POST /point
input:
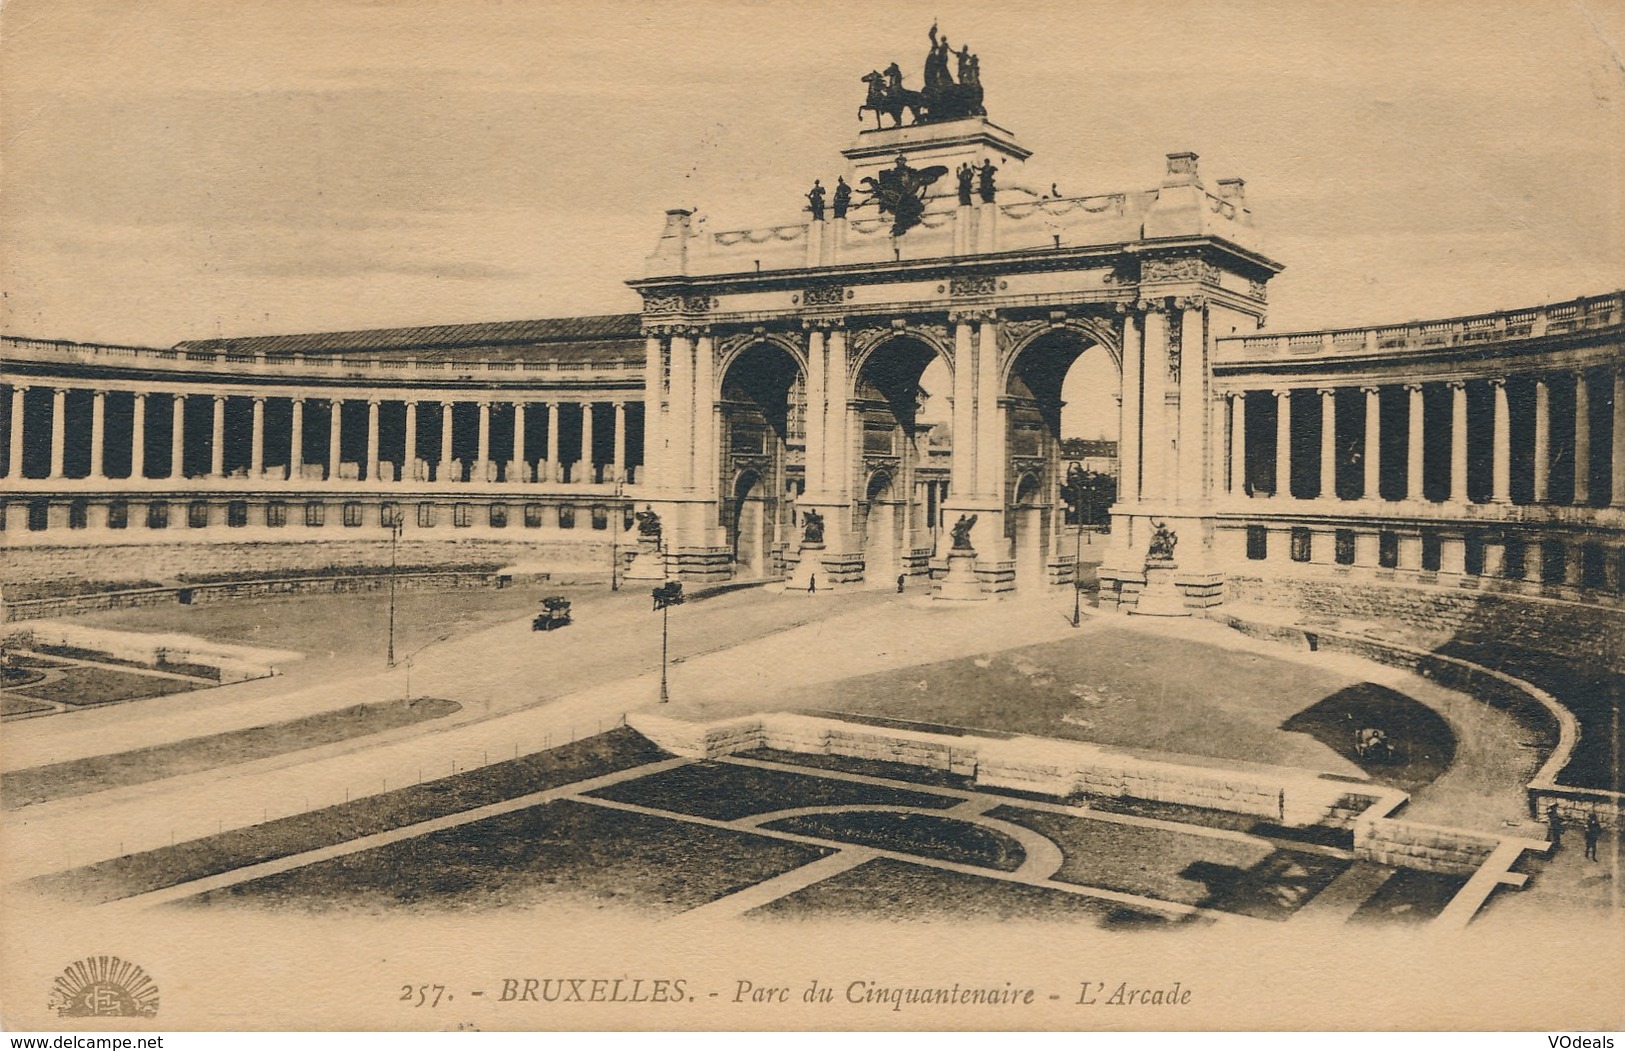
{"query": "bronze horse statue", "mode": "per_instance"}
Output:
(892, 100)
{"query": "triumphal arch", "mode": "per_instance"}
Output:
(785, 427)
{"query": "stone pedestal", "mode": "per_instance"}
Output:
(1161, 597)
(960, 583)
(649, 563)
(810, 566)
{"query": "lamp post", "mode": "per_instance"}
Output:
(615, 540)
(666, 596)
(1073, 493)
(394, 538)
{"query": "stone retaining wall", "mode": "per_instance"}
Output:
(173, 560)
(1042, 766)
(225, 591)
(1427, 848)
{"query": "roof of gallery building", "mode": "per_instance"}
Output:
(593, 338)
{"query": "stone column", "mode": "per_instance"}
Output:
(585, 474)
(817, 365)
(618, 467)
(519, 442)
(14, 464)
(1458, 442)
(683, 419)
(1238, 441)
(335, 433)
(369, 459)
(552, 442)
(1582, 439)
(1617, 461)
(1328, 443)
(962, 471)
(1283, 443)
(409, 444)
(989, 415)
(177, 436)
(482, 444)
(653, 471)
(59, 433)
(98, 431)
(443, 472)
(296, 438)
(705, 416)
(217, 438)
(256, 449)
(1129, 415)
(1414, 489)
(1501, 454)
(837, 464)
(138, 436)
(1371, 484)
(1154, 444)
(1543, 440)
(1192, 461)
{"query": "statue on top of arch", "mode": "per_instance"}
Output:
(943, 98)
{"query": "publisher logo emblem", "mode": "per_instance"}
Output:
(104, 987)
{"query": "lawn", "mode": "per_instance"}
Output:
(563, 853)
(1111, 685)
(84, 687)
(928, 835)
(1410, 897)
(920, 775)
(727, 791)
(167, 866)
(99, 773)
(10, 705)
(1252, 879)
(898, 890)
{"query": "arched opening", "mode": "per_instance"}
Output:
(1062, 421)
(903, 457)
(756, 411)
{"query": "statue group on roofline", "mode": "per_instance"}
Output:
(842, 201)
(943, 97)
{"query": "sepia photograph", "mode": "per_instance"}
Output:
(739, 515)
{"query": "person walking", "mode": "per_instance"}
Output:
(1593, 833)
(1554, 827)
(812, 584)
(901, 577)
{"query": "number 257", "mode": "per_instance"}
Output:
(425, 995)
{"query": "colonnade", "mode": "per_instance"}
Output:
(530, 462)
(1373, 467)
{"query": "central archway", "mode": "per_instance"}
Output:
(756, 409)
(899, 468)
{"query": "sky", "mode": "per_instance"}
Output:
(176, 169)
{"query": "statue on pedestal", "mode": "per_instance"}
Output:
(815, 201)
(648, 522)
(985, 181)
(961, 532)
(843, 197)
(967, 179)
(812, 528)
(1162, 543)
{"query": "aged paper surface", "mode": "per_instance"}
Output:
(953, 805)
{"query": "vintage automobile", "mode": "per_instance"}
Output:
(555, 614)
